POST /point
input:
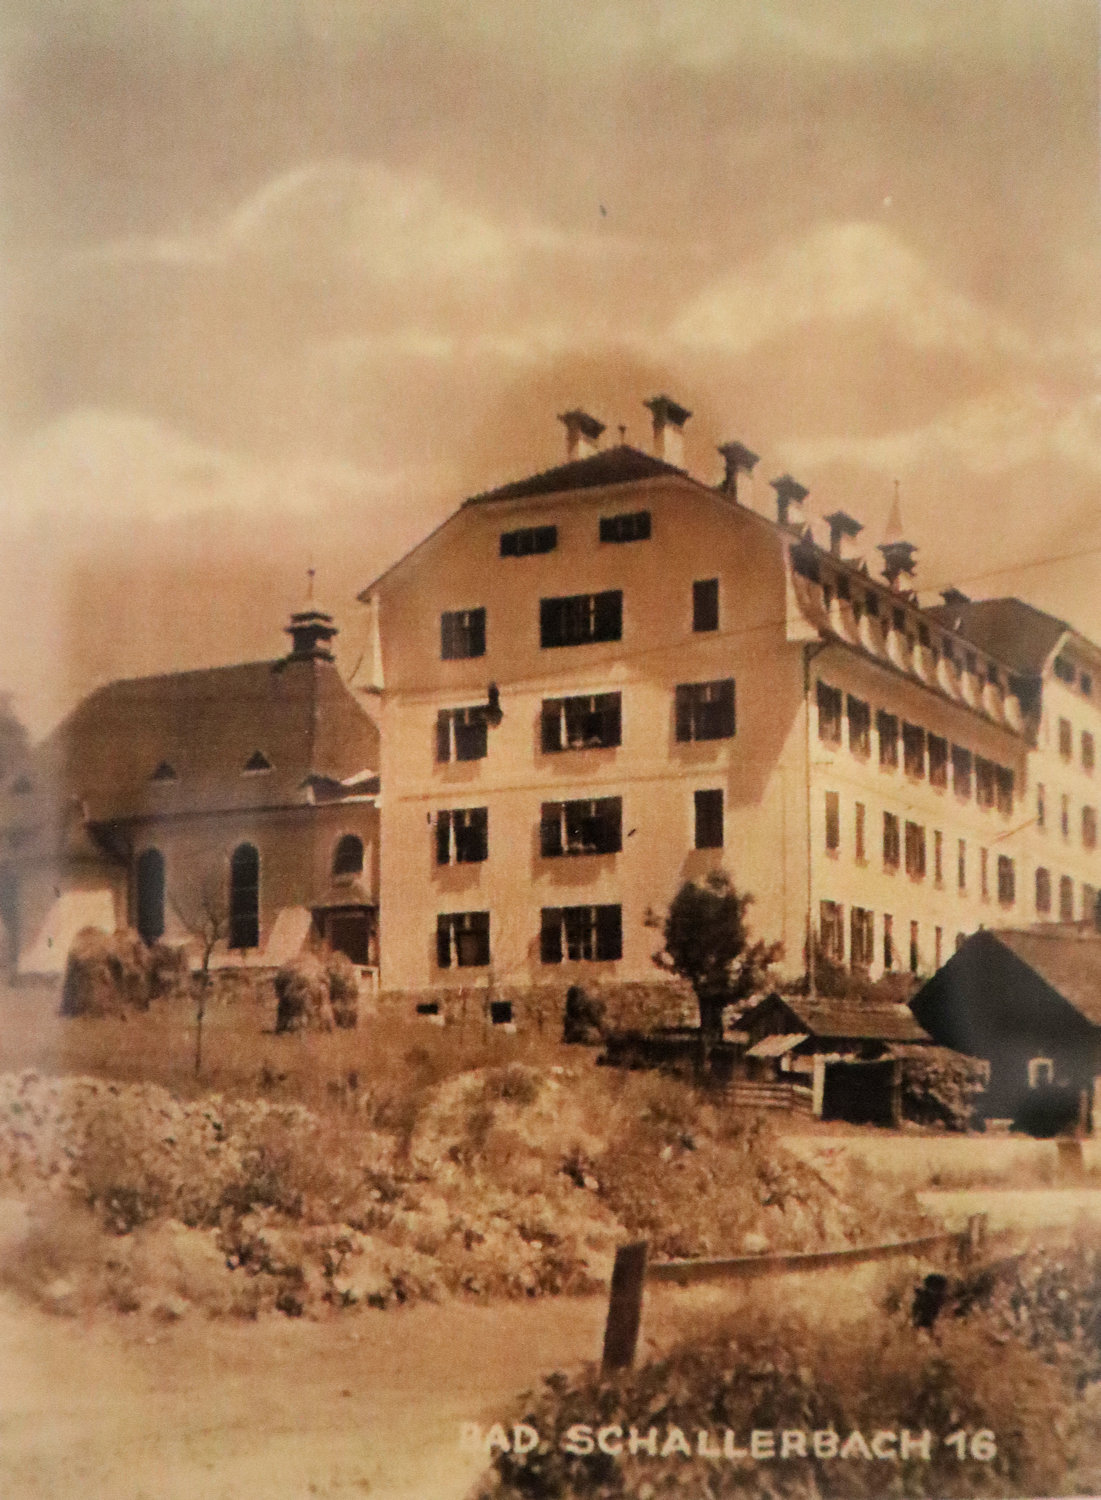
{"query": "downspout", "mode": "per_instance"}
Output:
(810, 651)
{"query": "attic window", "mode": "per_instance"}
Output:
(21, 786)
(256, 763)
(164, 772)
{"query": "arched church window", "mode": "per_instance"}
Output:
(244, 897)
(150, 895)
(348, 855)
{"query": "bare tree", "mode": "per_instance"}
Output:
(204, 912)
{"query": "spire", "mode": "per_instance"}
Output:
(311, 629)
(893, 532)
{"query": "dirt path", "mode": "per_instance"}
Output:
(127, 1409)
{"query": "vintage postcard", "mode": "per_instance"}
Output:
(550, 705)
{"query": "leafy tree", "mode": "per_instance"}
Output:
(708, 943)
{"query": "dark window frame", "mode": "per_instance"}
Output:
(581, 934)
(582, 721)
(709, 817)
(462, 734)
(580, 827)
(830, 703)
(705, 711)
(462, 835)
(529, 541)
(886, 726)
(462, 940)
(705, 604)
(580, 619)
(626, 526)
(462, 634)
(244, 897)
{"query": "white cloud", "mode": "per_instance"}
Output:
(111, 466)
(840, 273)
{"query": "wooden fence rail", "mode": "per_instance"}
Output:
(632, 1270)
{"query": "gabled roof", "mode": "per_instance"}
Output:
(1018, 634)
(1032, 982)
(209, 726)
(839, 1019)
(611, 466)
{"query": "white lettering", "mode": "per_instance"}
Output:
(984, 1445)
(762, 1443)
(610, 1439)
(730, 1446)
(826, 1443)
(578, 1439)
(706, 1446)
(649, 1442)
(525, 1439)
(912, 1443)
(854, 1446)
(793, 1443)
(497, 1437)
(675, 1442)
(883, 1443)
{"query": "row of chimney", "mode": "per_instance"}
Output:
(583, 434)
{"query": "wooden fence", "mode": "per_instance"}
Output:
(633, 1269)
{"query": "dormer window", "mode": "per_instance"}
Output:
(164, 772)
(256, 764)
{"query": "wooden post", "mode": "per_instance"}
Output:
(624, 1307)
(976, 1234)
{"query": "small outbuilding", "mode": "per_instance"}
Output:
(1029, 1003)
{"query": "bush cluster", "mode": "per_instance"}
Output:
(316, 993)
(111, 974)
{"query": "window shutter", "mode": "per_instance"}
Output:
(443, 838)
(608, 616)
(550, 830)
(609, 819)
(683, 708)
(550, 935)
(609, 932)
(726, 708)
(443, 942)
(479, 930)
(478, 837)
(551, 726)
(477, 641)
(443, 736)
(551, 613)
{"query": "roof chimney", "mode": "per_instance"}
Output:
(789, 492)
(582, 434)
(738, 460)
(898, 558)
(844, 529)
(669, 420)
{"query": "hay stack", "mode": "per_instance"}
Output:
(168, 970)
(343, 989)
(302, 990)
(106, 974)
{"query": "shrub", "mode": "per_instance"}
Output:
(343, 989)
(583, 1018)
(168, 969)
(940, 1087)
(106, 974)
(302, 991)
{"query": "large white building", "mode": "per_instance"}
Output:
(609, 677)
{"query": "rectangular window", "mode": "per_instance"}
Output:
(892, 850)
(581, 932)
(709, 819)
(461, 733)
(577, 619)
(1064, 815)
(961, 771)
(705, 604)
(915, 851)
(1089, 827)
(585, 827)
(961, 864)
(861, 938)
(984, 874)
(938, 856)
(829, 714)
(631, 526)
(1089, 753)
(528, 541)
(462, 835)
(462, 937)
(938, 939)
(1066, 899)
(887, 728)
(1043, 891)
(888, 941)
(984, 782)
(1066, 739)
(859, 841)
(913, 749)
(1089, 902)
(938, 761)
(705, 710)
(1064, 669)
(1085, 682)
(587, 722)
(860, 727)
(1007, 882)
(1003, 788)
(915, 951)
(1041, 807)
(833, 822)
(831, 919)
(462, 633)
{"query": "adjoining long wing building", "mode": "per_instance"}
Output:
(609, 677)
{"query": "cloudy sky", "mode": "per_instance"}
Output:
(284, 280)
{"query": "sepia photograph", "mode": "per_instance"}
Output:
(550, 708)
